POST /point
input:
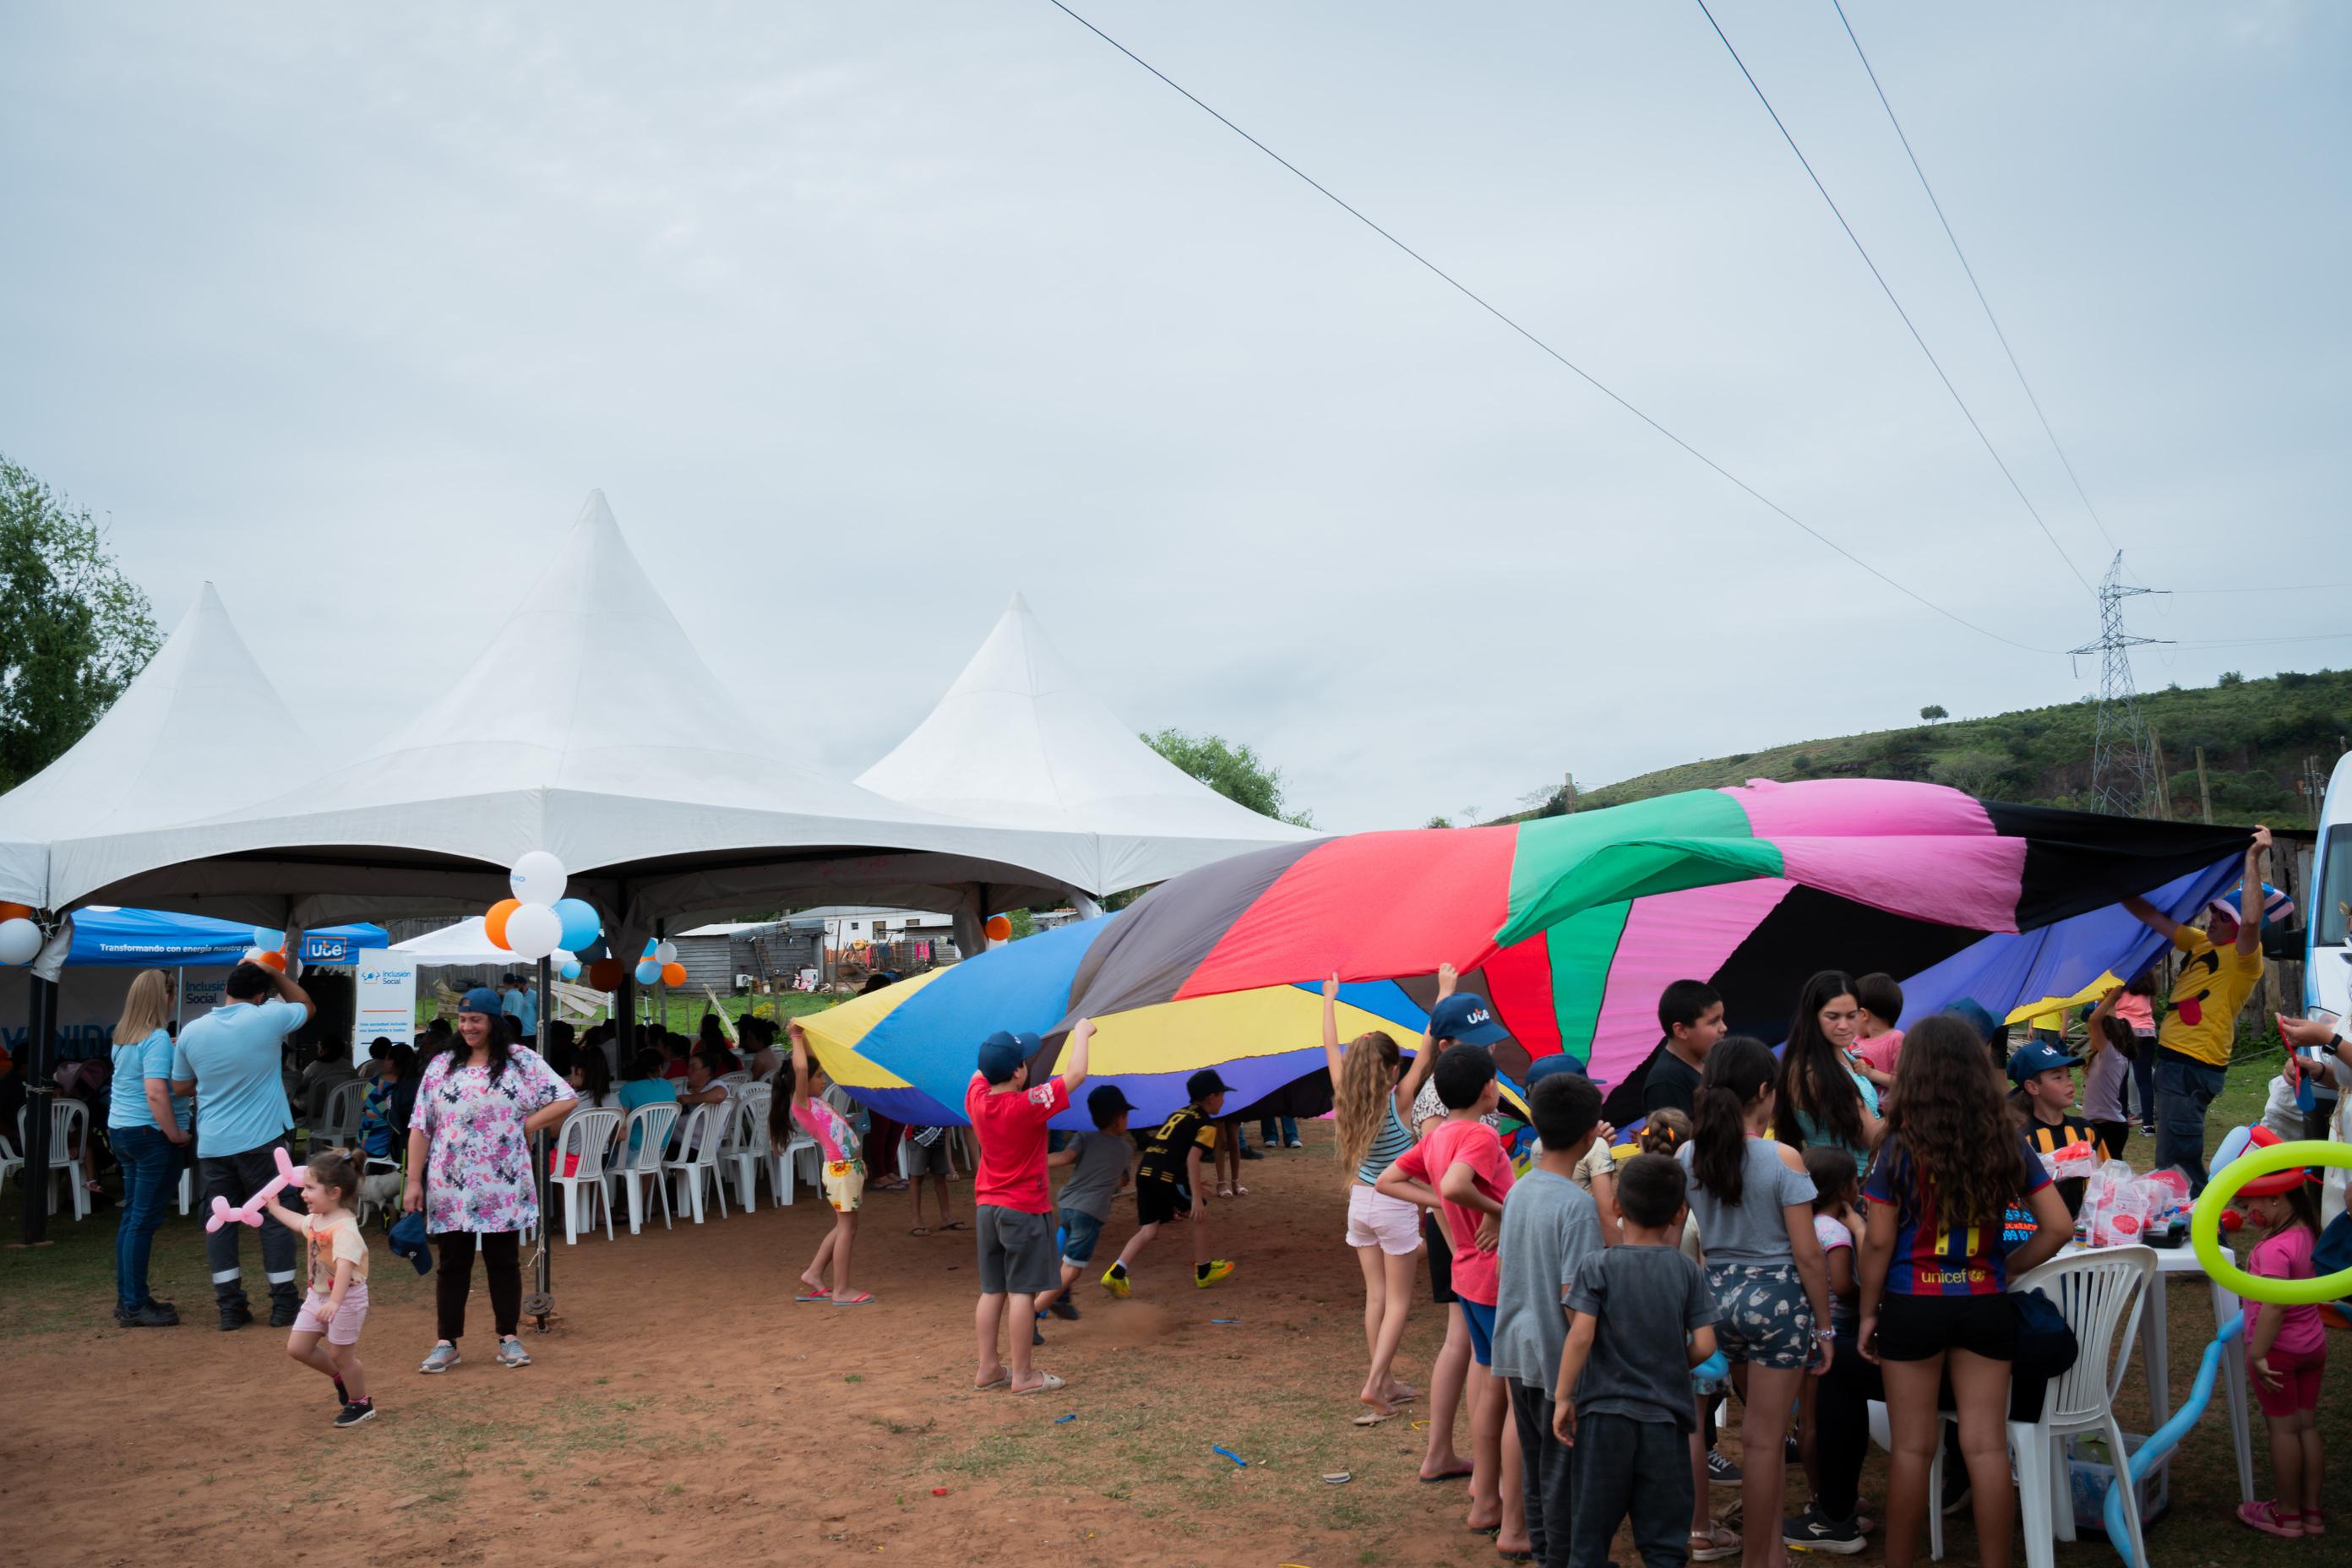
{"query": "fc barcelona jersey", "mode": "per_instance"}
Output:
(1932, 1258)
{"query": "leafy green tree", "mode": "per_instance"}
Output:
(73, 629)
(1933, 712)
(1237, 772)
(1022, 924)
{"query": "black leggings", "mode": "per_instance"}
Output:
(501, 1261)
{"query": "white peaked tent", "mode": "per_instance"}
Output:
(592, 729)
(199, 732)
(1018, 741)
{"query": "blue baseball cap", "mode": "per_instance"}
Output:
(1543, 1067)
(2035, 1057)
(1972, 1012)
(1204, 1083)
(409, 1241)
(1468, 1017)
(1002, 1054)
(483, 1000)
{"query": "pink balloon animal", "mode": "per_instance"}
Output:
(288, 1175)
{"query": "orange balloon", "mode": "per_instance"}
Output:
(605, 975)
(494, 924)
(276, 961)
(999, 929)
(15, 912)
(673, 974)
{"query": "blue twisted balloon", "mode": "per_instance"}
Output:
(2164, 1439)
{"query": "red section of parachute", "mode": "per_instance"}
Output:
(1521, 978)
(1373, 906)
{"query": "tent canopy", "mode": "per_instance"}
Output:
(466, 944)
(1018, 741)
(133, 938)
(179, 743)
(590, 728)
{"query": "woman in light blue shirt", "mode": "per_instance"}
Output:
(148, 1126)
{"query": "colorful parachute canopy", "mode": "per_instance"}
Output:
(1571, 925)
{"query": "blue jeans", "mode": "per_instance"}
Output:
(2183, 1089)
(1289, 1127)
(2143, 1072)
(151, 1161)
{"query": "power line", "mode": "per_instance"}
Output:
(1892, 120)
(2267, 642)
(1889, 291)
(1587, 376)
(2277, 588)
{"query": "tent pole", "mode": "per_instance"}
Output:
(544, 1265)
(40, 1088)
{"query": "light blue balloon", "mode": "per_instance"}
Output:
(580, 924)
(571, 970)
(268, 940)
(648, 973)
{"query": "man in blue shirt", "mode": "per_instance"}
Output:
(229, 1060)
(520, 1002)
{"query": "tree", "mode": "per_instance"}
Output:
(1933, 712)
(1439, 822)
(1237, 772)
(73, 629)
(1021, 922)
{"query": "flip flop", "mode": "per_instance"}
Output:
(1002, 1378)
(922, 1230)
(955, 1224)
(1373, 1418)
(818, 1295)
(863, 1299)
(1446, 1476)
(1051, 1383)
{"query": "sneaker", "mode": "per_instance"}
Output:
(356, 1411)
(151, 1315)
(1219, 1270)
(1721, 1471)
(1252, 1155)
(512, 1353)
(1034, 1337)
(235, 1315)
(1064, 1307)
(1116, 1281)
(1294, 1143)
(1955, 1487)
(1813, 1531)
(440, 1357)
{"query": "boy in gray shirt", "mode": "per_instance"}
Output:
(1101, 1164)
(1550, 1228)
(1623, 1400)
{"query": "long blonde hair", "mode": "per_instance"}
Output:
(1361, 1097)
(147, 1009)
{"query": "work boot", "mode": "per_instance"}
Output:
(149, 1315)
(285, 1306)
(233, 1313)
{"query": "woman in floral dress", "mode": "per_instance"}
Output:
(470, 1170)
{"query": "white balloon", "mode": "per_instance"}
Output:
(664, 952)
(20, 941)
(533, 930)
(537, 878)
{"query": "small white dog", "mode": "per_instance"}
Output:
(378, 1192)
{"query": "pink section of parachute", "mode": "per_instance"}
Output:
(1920, 850)
(1668, 937)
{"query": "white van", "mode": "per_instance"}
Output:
(2327, 925)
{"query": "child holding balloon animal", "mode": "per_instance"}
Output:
(2286, 1353)
(337, 1303)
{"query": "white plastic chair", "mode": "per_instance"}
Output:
(746, 1141)
(11, 1163)
(798, 1161)
(651, 1125)
(736, 1082)
(698, 1157)
(585, 1136)
(187, 1188)
(67, 1115)
(338, 1126)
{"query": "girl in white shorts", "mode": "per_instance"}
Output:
(337, 1302)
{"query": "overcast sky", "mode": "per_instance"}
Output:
(866, 316)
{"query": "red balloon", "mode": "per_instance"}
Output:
(606, 973)
(673, 974)
(494, 924)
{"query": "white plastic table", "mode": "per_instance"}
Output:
(2155, 1344)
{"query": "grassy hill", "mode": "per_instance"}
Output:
(2256, 735)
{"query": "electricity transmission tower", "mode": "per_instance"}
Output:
(2123, 764)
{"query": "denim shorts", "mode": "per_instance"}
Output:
(1763, 1318)
(1079, 1234)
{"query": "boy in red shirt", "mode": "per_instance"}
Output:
(1015, 1203)
(1459, 1168)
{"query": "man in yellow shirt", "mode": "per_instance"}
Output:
(2219, 967)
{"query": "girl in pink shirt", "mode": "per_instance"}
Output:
(845, 1174)
(2286, 1352)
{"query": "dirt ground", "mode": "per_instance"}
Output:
(683, 1409)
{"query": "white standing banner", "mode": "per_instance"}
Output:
(385, 1007)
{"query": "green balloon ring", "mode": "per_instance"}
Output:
(2205, 1226)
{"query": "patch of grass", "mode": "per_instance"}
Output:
(996, 1454)
(859, 1377)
